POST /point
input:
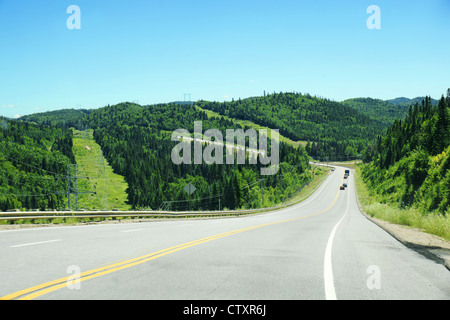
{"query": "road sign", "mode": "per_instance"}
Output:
(190, 189)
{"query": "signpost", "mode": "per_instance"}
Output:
(189, 189)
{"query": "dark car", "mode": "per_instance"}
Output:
(342, 188)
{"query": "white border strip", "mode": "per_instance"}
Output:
(330, 290)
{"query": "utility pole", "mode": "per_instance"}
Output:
(262, 193)
(280, 176)
(187, 95)
(102, 174)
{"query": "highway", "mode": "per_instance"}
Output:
(320, 249)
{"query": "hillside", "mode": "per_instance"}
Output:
(378, 109)
(136, 144)
(136, 141)
(65, 118)
(334, 130)
(33, 165)
(410, 165)
(405, 102)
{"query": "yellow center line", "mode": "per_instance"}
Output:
(42, 289)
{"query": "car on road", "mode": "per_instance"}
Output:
(345, 185)
(342, 188)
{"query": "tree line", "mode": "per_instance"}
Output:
(410, 164)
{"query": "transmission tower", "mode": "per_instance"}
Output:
(72, 185)
(102, 174)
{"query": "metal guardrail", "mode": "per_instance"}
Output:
(31, 215)
(115, 214)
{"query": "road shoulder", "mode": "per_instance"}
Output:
(429, 245)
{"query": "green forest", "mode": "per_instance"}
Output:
(410, 165)
(136, 141)
(333, 130)
(405, 149)
(33, 165)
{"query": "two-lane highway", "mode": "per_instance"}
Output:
(322, 248)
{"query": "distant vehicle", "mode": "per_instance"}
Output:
(345, 177)
(345, 185)
(347, 172)
(342, 188)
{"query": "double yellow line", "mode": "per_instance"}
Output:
(42, 289)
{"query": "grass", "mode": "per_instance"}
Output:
(320, 174)
(431, 223)
(110, 188)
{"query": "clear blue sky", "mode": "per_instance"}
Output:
(155, 51)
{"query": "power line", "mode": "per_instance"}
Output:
(31, 166)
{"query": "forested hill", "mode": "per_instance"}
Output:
(406, 102)
(379, 109)
(136, 140)
(33, 165)
(66, 118)
(410, 165)
(334, 130)
(386, 111)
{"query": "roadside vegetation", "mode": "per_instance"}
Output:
(377, 207)
(320, 174)
(406, 175)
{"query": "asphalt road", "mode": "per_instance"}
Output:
(322, 248)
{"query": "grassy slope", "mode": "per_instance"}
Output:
(250, 124)
(434, 224)
(110, 187)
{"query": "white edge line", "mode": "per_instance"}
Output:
(135, 230)
(35, 243)
(330, 290)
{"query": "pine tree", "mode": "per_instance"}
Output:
(441, 136)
